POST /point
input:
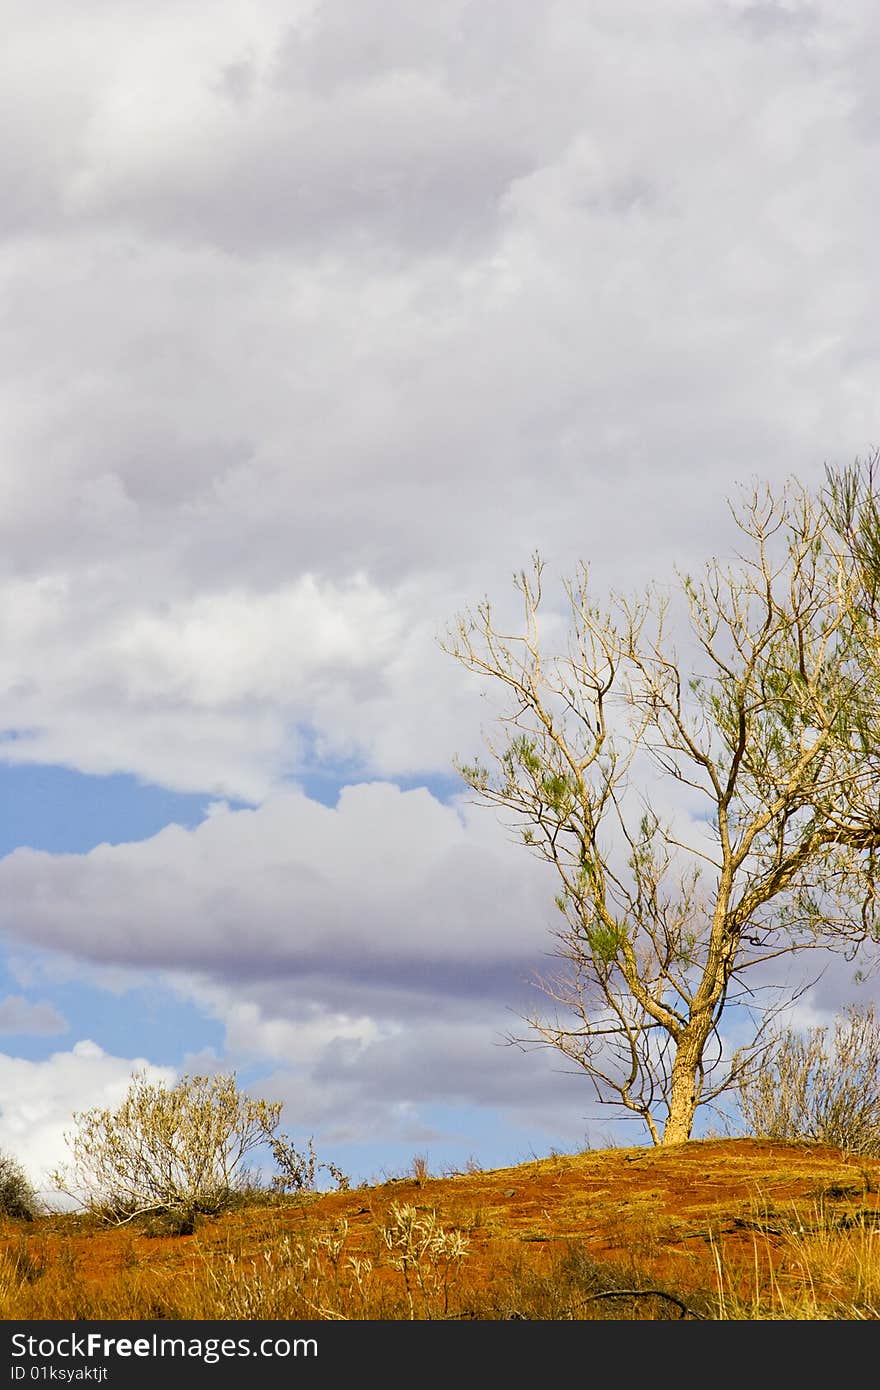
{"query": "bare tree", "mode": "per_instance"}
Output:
(767, 742)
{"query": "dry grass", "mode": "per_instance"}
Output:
(717, 1230)
(806, 1265)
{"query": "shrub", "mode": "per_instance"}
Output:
(176, 1151)
(808, 1087)
(298, 1169)
(17, 1197)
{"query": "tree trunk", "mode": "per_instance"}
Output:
(683, 1095)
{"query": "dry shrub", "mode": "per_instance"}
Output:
(298, 1168)
(826, 1091)
(167, 1150)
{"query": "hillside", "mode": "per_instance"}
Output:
(717, 1228)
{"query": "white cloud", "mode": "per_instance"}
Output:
(39, 1099)
(225, 691)
(290, 1040)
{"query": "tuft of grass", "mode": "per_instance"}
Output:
(816, 1088)
(822, 1266)
(573, 1286)
(420, 1169)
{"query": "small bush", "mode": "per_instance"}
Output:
(17, 1197)
(808, 1087)
(173, 1151)
(298, 1169)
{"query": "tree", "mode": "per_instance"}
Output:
(175, 1150)
(765, 741)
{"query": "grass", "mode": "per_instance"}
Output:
(317, 1278)
(824, 1269)
(710, 1231)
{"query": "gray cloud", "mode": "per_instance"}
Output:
(767, 19)
(387, 888)
(375, 957)
(316, 320)
(19, 1015)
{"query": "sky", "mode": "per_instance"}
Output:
(317, 319)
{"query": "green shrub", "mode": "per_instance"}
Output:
(17, 1197)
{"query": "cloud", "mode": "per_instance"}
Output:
(388, 885)
(359, 129)
(387, 1080)
(39, 1097)
(372, 956)
(226, 692)
(317, 320)
(19, 1015)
